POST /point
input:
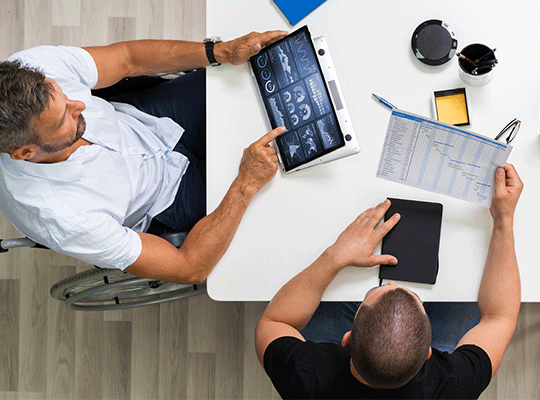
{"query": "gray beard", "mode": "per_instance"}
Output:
(81, 127)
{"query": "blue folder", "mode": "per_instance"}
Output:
(295, 10)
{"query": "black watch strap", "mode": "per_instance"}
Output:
(209, 47)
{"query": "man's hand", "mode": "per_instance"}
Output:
(258, 165)
(508, 187)
(355, 245)
(239, 50)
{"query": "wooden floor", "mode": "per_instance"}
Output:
(193, 348)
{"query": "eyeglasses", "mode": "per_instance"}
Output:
(512, 129)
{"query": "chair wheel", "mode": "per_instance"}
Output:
(114, 289)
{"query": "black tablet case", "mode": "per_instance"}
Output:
(414, 241)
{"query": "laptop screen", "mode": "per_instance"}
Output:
(296, 96)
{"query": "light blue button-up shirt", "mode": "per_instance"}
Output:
(91, 205)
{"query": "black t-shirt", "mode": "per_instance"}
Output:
(302, 370)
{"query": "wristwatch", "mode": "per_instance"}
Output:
(209, 47)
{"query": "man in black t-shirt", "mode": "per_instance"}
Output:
(387, 352)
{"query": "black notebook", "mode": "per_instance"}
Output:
(414, 241)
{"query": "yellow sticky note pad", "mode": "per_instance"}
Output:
(451, 107)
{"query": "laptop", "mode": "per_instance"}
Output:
(300, 90)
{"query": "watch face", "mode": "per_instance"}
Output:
(213, 39)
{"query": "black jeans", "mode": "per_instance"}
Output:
(184, 101)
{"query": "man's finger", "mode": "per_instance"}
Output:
(267, 138)
(378, 212)
(269, 37)
(269, 150)
(387, 226)
(500, 180)
(360, 220)
(265, 39)
(383, 259)
(512, 177)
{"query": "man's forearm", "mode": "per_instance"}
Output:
(202, 248)
(210, 237)
(293, 306)
(500, 289)
(145, 57)
(150, 57)
(295, 303)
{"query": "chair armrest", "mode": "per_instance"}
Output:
(174, 238)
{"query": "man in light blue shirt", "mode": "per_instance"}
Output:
(86, 177)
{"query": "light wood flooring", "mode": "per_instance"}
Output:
(194, 348)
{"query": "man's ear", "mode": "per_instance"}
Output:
(346, 339)
(25, 152)
(430, 352)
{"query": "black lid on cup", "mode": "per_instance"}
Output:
(434, 42)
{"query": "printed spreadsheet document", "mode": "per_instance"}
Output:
(441, 158)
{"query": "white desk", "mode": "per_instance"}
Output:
(295, 217)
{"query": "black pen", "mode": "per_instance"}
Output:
(462, 57)
(485, 55)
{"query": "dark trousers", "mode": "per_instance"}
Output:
(184, 101)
